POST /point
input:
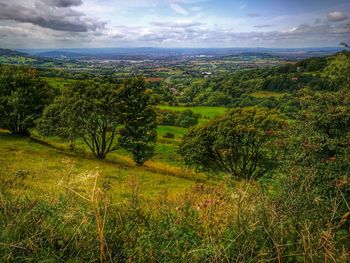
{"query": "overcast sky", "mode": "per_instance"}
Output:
(173, 23)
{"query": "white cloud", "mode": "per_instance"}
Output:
(337, 16)
(178, 8)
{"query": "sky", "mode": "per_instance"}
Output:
(173, 23)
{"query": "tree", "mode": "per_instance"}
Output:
(139, 133)
(187, 119)
(237, 143)
(53, 123)
(23, 96)
(86, 110)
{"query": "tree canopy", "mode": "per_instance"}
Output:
(86, 110)
(23, 96)
(139, 118)
(237, 143)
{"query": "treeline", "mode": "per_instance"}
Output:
(104, 116)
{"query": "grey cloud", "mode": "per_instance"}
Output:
(303, 35)
(177, 24)
(263, 26)
(337, 16)
(43, 15)
(63, 3)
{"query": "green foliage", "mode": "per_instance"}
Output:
(86, 110)
(238, 143)
(22, 98)
(139, 133)
(314, 171)
(187, 119)
(167, 117)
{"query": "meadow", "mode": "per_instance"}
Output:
(58, 206)
(207, 112)
(43, 165)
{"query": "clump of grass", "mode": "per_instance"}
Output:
(208, 223)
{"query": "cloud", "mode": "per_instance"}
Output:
(181, 33)
(263, 26)
(337, 16)
(63, 3)
(171, 34)
(46, 16)
(178, 8)
(177, 24)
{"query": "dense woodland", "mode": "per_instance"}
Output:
(269, 178)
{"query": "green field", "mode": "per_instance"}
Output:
(45, 168)
(205, 111)
(58, 82)
(177, 131)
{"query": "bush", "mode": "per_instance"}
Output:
(187, 119)
(183, 119)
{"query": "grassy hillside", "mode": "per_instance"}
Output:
(337, 65)
(44, 168)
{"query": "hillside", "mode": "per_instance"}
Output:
(338, 65)
(47, 164)
(9, 52)
(270, 86)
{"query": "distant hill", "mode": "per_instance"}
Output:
(160, 53)
(10, 52)
(60, 54)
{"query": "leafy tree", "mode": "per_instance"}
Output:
(187, 118)
(238, 143)
(218, 99)
(139, 133)
(23, 96)
(53, 123)
(86, 110)
(167, 117)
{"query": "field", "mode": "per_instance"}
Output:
(46, 166)
(45, 163)
(58, 82)
(205, 111)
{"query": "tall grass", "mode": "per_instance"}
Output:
(208, 223)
